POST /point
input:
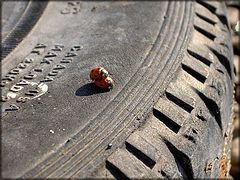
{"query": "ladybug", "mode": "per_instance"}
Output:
(105, 83)
(98, 73)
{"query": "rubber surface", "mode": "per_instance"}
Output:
(168, 115)
(19, 18)
(11, 12)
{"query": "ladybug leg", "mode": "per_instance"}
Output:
(110, 86)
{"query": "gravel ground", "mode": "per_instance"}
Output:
(233, 14)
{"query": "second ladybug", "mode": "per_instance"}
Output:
(105, 83)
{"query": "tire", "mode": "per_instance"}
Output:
(169, 114)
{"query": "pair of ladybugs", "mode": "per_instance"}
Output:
(101, 78)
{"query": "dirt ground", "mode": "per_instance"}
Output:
(233, 14)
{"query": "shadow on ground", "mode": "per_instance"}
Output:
(89, 89)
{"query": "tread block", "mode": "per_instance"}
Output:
(194, 73)
(198, 70)
(127, 165)
(210, 21)
(115, 171)
(190, 80)
(170, 114)
(182, 160)
(140, 155)
(205, 14)
(207, 5)
(202, 53)
(172, 125)
(223, 60)
(199, 57)
(151, 134)
(181, 90)
(213, 108)
(224, 20)
(205, 32)
(202, 22)
(149, 150)
(165, 165)
(199, 39)
(180, 102)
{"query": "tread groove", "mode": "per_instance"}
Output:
(205, 33)
(194, 73)
(179, 102)
(212, 107)
(117, 173)
(182, 160)
(167, 121)
(223, 60)
(223, 20)
(198, 57)
(206, 19)
(140, 155)
(201, 118)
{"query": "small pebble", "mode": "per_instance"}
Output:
(109, 146)
(51, 131)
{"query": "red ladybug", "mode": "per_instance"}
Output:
(105, 83)
(98, 73)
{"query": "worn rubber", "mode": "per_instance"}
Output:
(189, 130)
(170, 117)
(19, 22)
